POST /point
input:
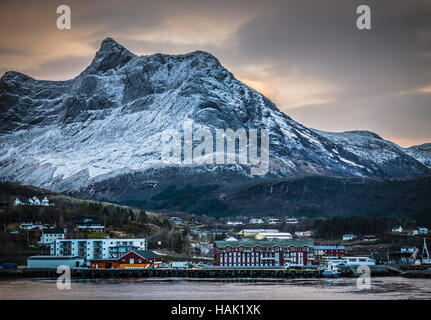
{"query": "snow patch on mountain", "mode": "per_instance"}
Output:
(421, 153)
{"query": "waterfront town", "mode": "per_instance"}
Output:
(92, 238)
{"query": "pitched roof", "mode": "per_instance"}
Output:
(54, 231)
(261, 243)
(147, 254)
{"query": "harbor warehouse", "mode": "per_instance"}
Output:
(262, 253)
(132, 259)
(52, 262)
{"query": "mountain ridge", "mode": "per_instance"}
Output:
(107, 122)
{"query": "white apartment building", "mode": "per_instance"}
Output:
(94, 248)
(51, 235)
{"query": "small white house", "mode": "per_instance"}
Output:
(18, 202)
(45, 202)
(34, 201)
(32, 226)
(420, 231)
(303, 234)
(231, 239)
(89, 225)
(423, 230)
(349, 237)
(26, 225)
(273, 221)
(256, 221)
(370, 237)
(176, 220)
(397, 229)
(234, 223)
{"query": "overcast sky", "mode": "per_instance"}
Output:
(307, 56)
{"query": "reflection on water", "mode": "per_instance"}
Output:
(197, 289)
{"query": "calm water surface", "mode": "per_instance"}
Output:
(198, 289)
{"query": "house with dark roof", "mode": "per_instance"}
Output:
(51, 235)
(89, 224)
(135, 259)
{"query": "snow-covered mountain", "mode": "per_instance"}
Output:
(107, 123)
(422, 153)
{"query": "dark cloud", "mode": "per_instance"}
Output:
(321, 38)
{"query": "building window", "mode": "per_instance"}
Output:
(132, 261)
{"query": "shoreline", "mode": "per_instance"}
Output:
(203, 273)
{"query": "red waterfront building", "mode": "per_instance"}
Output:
(132, 259)
(262, 253)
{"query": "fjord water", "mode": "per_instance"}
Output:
(216, 289)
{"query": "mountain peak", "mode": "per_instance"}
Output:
(110, 55)
(109, 44)
(113, 118)
(204, 54)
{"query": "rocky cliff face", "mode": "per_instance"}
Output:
(105, 127)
